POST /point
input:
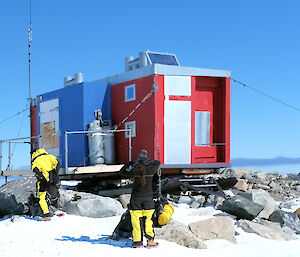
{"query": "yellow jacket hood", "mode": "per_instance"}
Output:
(38, 152)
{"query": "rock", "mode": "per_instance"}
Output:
(195, 205)
(14, 196)
(294, 183)
(272, 184)
(219, 201)
(185, 199)
(176, 232)
(263, 198)
(241, 185)
(241, 207)
(262, 186)
(262, 176)
(124, 200)
(287, 219)
(298, 212)
(289, 231)
(229, 193)
(250, 179)
(247, 177)
(242, 172)
(200, 199)
(238, 173)
(210, 199)
(89, 205)
(284, 176)
(214, 228)
(264, 231)
(250, 186)
(297, 188)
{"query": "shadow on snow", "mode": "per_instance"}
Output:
(105, 239)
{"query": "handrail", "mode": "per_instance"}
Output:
(107, 132)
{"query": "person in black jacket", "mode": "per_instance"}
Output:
(141, 203)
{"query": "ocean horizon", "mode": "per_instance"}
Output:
(280, 168)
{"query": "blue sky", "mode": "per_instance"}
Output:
(258, 41)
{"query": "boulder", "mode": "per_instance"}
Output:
(200, 198)
(214, 228)
(241, 207)
(88, 205)
(185, 199)
(176, 232)
(263, 198)
(124, 200)
(272, 184)
(241, 185)
(195, 205)
(14, 196)
(287, 219)
(275, 233)
(276, 226)
(284, 176)
(298, 212)
(261, 176)
(238, 173)
(262, 186)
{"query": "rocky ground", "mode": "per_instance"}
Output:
(259, 203)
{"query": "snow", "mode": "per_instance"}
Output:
(70, 236)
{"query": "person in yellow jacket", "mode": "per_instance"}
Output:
(45, 167)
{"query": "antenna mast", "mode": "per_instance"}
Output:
(29, 45)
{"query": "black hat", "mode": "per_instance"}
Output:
(143, 155)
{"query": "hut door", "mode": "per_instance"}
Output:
(203, 149)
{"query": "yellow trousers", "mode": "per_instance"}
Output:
(42, 200)
(137, 224)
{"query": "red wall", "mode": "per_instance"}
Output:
(144, 117)
(208, 94)
(213, 95)
(33, 127)
(159, 119)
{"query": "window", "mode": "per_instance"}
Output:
(130, 93)
(130, 125)
(202, 128)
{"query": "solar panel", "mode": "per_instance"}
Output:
(168, 59)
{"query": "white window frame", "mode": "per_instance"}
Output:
(130, 124)
(127, 99)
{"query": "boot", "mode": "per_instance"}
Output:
(45, 218)
(137, 245)
(151, 244)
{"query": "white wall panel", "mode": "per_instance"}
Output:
(177, 85)
(177, 133)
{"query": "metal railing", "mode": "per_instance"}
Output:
(10, 142)
(101, 133)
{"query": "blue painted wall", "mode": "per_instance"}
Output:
(77, 104)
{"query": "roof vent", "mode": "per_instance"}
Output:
(69, 81)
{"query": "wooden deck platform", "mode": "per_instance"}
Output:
(17, 173)
(73, 172)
